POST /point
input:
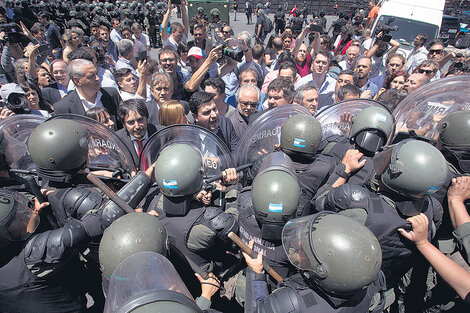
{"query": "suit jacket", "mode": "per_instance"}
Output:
(126, 139)
(72, 104)
(51, 93)
(227, 133)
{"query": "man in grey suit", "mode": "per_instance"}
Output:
(88, 93)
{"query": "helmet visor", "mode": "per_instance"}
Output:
(295, 240)
(24, 223)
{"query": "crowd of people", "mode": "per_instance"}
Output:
(337, 223)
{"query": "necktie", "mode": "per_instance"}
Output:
(139, 151)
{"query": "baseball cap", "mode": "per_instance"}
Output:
(10, 88)
(196, 52)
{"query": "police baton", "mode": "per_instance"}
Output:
(253, 255)
(111, 194)
(220, 176)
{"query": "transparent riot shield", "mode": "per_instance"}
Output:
(265, 133)
(422, 110)
(337, 119)
(16, 130)
(215, 154)
(148, 279)
(105, 150)
(20, 126)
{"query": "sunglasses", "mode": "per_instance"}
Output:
(435, 51)
(225, 32)
(248, 103)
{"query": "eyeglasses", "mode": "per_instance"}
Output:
(167, 60)
(248, 103)
(435, 51)
(323, 43)
(225, 32)
(426, 72)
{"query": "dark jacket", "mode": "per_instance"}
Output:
(126, 139)
(72, 104)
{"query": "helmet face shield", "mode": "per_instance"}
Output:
(295, 240)
(382, 160)
(18, 222)
(369, 141)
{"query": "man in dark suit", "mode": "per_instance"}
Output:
(133, 115)
(88, 93)
(205, 114)
(56, 91)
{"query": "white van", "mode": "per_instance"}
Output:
(412, 17)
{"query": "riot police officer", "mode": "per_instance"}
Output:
(406, 174)
(265, 207)
(339, 261)
(195, 226)
(370, 131)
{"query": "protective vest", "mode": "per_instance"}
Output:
(273, 252)
(22, 291)
(337, 147)
(179, 232)
(315, 300)
(311, 179)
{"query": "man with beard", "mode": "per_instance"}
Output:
(395, 63)
(362, 70)
(324, 82)
(248, 96)
(378, 54)
(414, 81)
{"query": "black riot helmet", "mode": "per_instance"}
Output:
(337, 253)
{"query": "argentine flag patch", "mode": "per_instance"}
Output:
(170, 183)
(300, 143)
(275, 207)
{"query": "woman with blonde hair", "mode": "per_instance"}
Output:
(171, 112)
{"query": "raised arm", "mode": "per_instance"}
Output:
(166, 19)
(185, 18)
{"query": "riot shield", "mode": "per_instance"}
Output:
(337, 119)
(148, 278)
(16, 130)
(422, 110)
(105, 150)
(265, 133)
(20, 126)
(215, 154)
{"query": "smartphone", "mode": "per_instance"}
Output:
(177, 2)
(142, 55)
(315, 28)
(43, 48)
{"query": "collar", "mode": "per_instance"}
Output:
(146, 136)
(87, 104)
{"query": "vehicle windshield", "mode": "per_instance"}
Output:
(408, 29)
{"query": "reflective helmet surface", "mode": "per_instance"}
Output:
(340, 255)
(130, 234)
(179, 170)
(411, 168)
(371, 129)
(454, 129)
(59, 145)
(301, 133)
